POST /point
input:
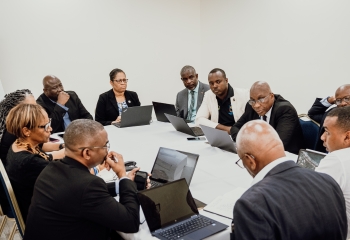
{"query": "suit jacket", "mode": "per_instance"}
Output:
(208, 113)
(291, 203)
(318, 112)
(70, 203)
(107, 107)
(181, 104)
(284, 119)
(76, 110)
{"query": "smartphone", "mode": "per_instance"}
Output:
(141, 180)
(196, 138)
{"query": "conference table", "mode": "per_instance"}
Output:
(216, 172)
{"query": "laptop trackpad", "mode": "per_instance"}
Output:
(206, 231)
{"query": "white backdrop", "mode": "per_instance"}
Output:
(300, 47)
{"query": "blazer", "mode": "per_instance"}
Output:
(284, 119)
(76, 110)
(70, 203)
(107, 107)
(181, 103)
(208, 113)
(291, 203)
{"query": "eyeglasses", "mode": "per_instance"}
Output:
(46, 126)
(121, 81)
(191, 78)
(240, 164)
(260, 100)
(346, 99)
(107, 146)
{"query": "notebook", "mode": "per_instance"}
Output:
(171, 165)
(171, 213)
(219, 138)
(161, 108)
(181, 126)
(309, 158)
(135, 116)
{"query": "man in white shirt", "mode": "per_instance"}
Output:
(285, 201)
(336, 139)
(223, 105)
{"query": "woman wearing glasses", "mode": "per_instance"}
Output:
(25, 159)
(110, 104)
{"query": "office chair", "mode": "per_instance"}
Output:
(310, 130)
(5, 181)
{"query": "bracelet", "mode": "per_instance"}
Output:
(61, 146)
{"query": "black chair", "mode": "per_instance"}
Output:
(310, 131)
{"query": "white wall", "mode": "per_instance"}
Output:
(81, 41)
(302, 48)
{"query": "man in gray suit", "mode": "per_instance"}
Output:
(190, 99)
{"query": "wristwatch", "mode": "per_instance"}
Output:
(61, 146)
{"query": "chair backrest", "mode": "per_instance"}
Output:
(310, 132)
(5, 181)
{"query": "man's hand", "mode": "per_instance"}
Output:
(132, 173)
(63, 98)
(116, 162)
(224, 128)
(331, 99)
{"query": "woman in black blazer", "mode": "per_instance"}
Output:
(111, 103)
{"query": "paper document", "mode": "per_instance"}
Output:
(223, 205)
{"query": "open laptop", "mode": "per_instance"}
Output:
(171, 213)
(219, 138)
(161, 108)
(309, 158)
(135, 116)
(181, 126)
(171, 165)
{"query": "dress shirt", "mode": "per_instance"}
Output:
(260, 176)
(66, 119)
(195, 95)
(268, 115)
(325, 102)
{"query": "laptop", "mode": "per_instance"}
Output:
(171, 165)
(161, 108)
(135, 116)
(171, 213)
(181, 126)
(219, 138)
(309, 158)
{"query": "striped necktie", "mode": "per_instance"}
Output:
(190, 110)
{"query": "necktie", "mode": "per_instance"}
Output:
(264, 118)
(190, 110)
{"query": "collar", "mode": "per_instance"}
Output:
(267, 169)
(195, 89)
(268, 115)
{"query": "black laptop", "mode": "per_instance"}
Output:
(181, 126)
(161, 108)
(309, 158)
(171, 165)
(135, 116)
(171, 213)
(219, 138)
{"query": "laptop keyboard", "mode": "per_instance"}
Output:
(155, 184)
(197, 131)
(186, 228)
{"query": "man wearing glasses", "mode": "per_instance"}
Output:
(190, 99)
(276, 111)
(284, 201)
(322, 107)
(61, 106)
(223, 105)
(70, 203)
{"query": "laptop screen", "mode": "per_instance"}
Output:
(172, 165)
(168, 204)
(309, 158)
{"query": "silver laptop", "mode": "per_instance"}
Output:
(135, 116)
(181, 126)
(219, 138)
(171, 213)
(171, 165)
(309, 158)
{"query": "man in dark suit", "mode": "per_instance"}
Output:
(70, 203)
(285, 201)
(61, 106)
(321, 108)
(276, 111)
(190, 99)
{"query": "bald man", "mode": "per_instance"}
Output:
(70, 203)
(276, 111)
(322, 107)
(285, 201)
(61, 106)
